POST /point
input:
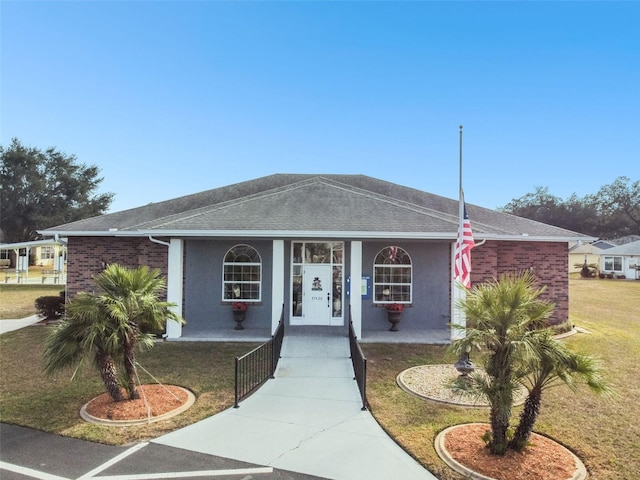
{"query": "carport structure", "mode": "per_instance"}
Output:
(50, 254)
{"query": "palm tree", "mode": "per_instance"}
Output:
(502, 316)
(555, 365)
(85, 333)
(131, 299)
(111, 324)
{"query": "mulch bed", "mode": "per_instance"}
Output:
(545, 459)
(160, 399)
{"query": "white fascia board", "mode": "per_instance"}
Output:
(450, 236)
(532, 238)
(33, 243)
(255, 234)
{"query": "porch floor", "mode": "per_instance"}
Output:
(258, 335)
(426, 337)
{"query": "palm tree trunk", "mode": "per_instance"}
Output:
(130, 366)
(501, 401)
(528, 419)
(499, 425)
(109, 376)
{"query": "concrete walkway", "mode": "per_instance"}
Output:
(11, 325)
(308, 420)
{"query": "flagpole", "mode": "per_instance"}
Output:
(460, 189)
(460, 203)
(458, 292)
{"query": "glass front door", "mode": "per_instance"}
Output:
(316, 283)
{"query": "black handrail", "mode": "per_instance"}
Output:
(359, 362)
(277, 339)
(256, 367)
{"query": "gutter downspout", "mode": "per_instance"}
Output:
(159, 242)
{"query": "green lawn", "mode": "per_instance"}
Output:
(52, 404)
(17, 301)
(604, 432)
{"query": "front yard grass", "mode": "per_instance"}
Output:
(603, 431)
(52, 404)
(17, 301)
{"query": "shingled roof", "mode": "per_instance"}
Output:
(299, 205)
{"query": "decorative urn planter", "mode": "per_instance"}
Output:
(394, 312)
(464, 365)
(239, 310)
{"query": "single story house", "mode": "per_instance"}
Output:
(622, 261)
(587, 253)
(315, 250)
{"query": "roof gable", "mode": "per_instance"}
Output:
(288, 203)
(317, 204)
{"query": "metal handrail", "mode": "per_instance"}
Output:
(256, 367)
(359, 362)
(278, 338)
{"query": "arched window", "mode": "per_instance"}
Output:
(242, 274)
(392, 276)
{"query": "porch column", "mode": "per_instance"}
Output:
(277, 283)
(458, 293)
(355, 292)
(174, 284)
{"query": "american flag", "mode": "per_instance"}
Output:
(464, 244)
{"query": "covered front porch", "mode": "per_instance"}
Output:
(283, 271)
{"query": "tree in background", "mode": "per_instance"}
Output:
(617, 207)
(41, 189)
(614, 211)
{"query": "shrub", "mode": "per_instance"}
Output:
(50, 307)
(563, 327)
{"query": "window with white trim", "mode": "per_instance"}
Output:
(47, 252)
(613, 264)
(392, 276)
(242, 274)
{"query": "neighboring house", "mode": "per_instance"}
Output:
(624, 240)
(315, 250)
(622, 261)
(588, 253)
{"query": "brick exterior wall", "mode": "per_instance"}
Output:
(87, 256)
(548, 261)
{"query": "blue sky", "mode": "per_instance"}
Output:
(171, 98)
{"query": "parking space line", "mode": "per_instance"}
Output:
(113, 461)
(29, 472)
(203, 473)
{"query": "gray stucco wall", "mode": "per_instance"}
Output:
(205, 310)
(431, 287)
(203, 305)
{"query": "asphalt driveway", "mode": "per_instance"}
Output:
(26, 454)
